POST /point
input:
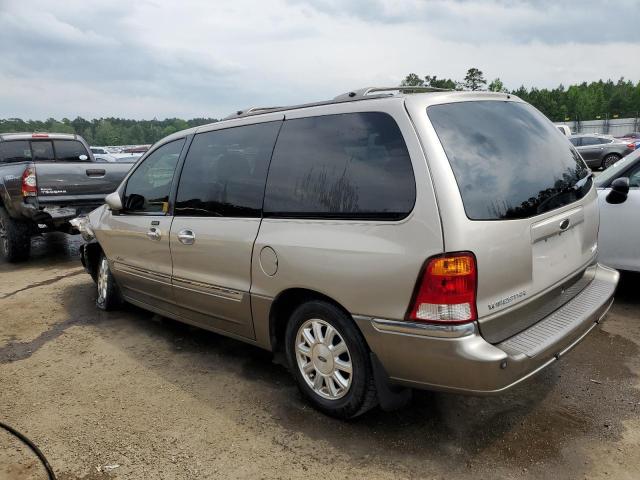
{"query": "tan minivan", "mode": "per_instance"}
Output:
(383, 241)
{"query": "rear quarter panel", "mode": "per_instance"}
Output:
(11, 187)
(369, 267)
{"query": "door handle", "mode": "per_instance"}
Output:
(186, 237)
(96, 172)
(154, 233)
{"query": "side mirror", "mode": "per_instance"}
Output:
(619, 191)
(83, 158)
(114, 202)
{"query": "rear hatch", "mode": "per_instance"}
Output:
(526, 208)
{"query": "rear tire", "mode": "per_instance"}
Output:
(609, 160)
(108, 297)
(330, 360)
(15, 239)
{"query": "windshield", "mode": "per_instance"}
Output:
(508, 159)
(614, 170)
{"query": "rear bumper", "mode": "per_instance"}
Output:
(460, 359)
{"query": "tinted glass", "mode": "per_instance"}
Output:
(508, 159)
(69, 151)
(353, 165)
(42, 150)
(15, 151)
(225, 171)
(575, 141)
(618, 169)
(149, 186)
(587, 141)
(634, 176)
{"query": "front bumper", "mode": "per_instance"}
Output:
(458, 358)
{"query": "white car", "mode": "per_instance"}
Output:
(102, 154)
(619, 200)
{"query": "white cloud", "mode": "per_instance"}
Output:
(198, 58)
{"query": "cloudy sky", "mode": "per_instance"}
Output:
(194, 58)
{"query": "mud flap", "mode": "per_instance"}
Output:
(390, 397)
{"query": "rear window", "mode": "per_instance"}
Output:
(346, 166)
(70, 151)
(15, 151)
(508, 159)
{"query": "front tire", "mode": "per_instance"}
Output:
(108, 297)
(330, 360)
(15, 240)
(609, 160)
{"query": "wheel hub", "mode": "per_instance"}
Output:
(322, 359)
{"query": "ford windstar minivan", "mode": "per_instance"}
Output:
(388, 239)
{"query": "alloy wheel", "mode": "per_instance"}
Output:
(103, 280)
(323, 359)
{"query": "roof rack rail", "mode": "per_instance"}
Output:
(250, 110)
(363, 92)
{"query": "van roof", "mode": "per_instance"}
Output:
(367, 93)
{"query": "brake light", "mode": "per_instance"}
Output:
(29, 182)
(632, 146)
(446, 291)
(40, 135)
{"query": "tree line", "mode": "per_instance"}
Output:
(106, 131)
(585, 101)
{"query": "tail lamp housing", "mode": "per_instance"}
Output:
(29, 182)
(446, 290)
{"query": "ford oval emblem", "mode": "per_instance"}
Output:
(564, 224)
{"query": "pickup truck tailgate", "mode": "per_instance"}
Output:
(77, 181)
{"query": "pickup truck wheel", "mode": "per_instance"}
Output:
(330, 360)
(108, 297)
(15, 240)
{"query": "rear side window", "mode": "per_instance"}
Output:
(15, 151)
(346, 166)
(225, 171)
(508, 160)
(42, 151)
(587, 141)
(70, 151)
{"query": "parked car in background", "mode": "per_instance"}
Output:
(101, 154)
(601, 151)
(139, 149)
(46, 179)
(619, 236)
(370, 239)
(127, 157)
(631, 137)
(564, 129)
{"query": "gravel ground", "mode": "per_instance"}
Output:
(129, 395)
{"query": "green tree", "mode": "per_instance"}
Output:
(474, 79)
(412, 80)
(497, 86)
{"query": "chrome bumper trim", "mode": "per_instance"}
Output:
(420, 329)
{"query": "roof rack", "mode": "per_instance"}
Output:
(368, 91)
(361, 94)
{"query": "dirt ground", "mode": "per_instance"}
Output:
(128, 395)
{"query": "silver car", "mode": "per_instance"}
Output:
(382, 241)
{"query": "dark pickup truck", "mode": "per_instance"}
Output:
(46, 179)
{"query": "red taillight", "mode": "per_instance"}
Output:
(632, 146)
(29, 182)
(446, 291)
